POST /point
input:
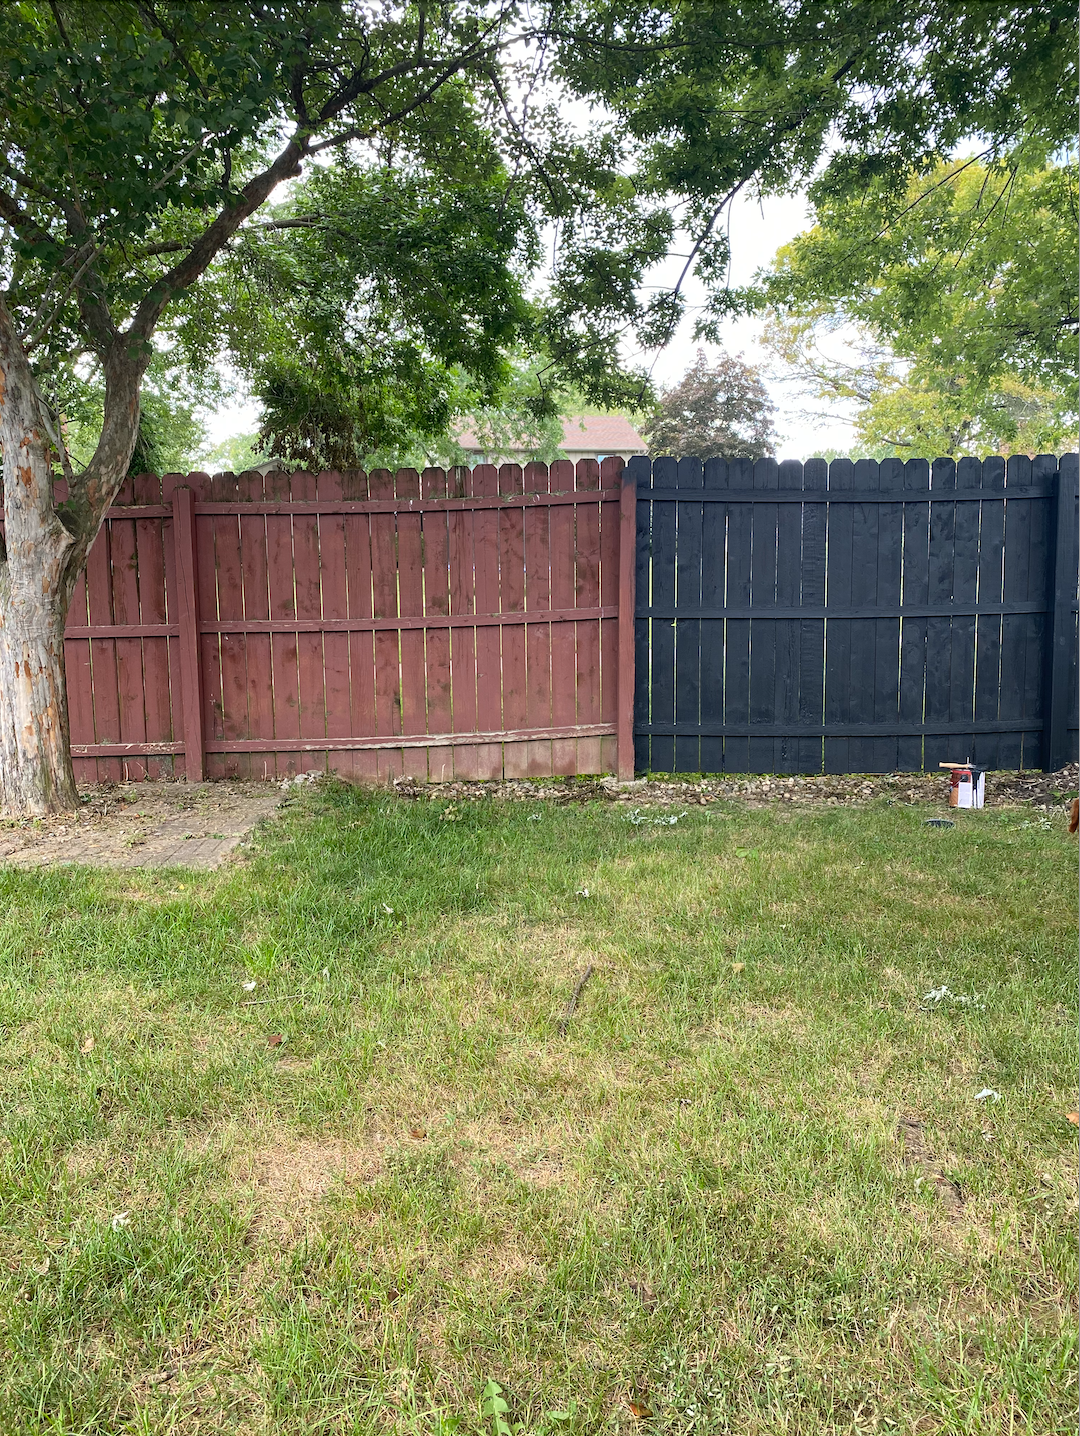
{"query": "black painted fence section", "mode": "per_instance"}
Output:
(855, 617)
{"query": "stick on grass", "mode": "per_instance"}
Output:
(571, 1006)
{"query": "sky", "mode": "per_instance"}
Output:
(757, 230)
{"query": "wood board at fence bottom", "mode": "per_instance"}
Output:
(465, 759)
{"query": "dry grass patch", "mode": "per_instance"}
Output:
(290, 1176)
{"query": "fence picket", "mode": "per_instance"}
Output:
(106, 688)
(664, 550)
(763, 519)
(283, 646)
(862, 633)
(689, 477)
(256, 605)
(812, 630)
(788, 631)
(463, 640)
(150, 551)
(335, 599)
(987, 748)
(437, 646)
(387, 642)
(610, 538)
(1040, 587)
(882, 753)
(512, 600)
(915, 591)
(641, 476)
(838, 586)
(358, 576)
(410, 561)
(485, 478)
(737, 630)
(129, 668)
(563, 647)
(538, 636)
(714, 521)
(938, 703)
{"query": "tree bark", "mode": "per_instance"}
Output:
(40, 559)
(36, 775)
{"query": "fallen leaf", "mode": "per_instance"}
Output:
(275, 1041)
(1074, 1118)
(737, 966)
(418, 1133)
(87, 1044)
(640, 1410)
(742, 852)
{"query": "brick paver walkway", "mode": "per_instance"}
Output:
(144, 825)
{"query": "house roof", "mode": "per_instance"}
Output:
(609, 433)
(606, 433)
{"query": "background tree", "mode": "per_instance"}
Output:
(947, 314)
(719, 410)
(233, 455)
(728, 96)
(269, 181)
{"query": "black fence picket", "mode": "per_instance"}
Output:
(855, 617)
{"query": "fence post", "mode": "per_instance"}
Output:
(187, 617)
(627, 566)
(1062, 596)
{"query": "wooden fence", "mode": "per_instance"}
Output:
(855, 617)
(436, 625)
(789, 618)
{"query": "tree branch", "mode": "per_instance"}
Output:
(18, 218)
(393, 117)
(149, 14)
(213, 239)
(357, 85)
(34, 336)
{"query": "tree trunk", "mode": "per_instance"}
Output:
(36, 775)
(37, 577)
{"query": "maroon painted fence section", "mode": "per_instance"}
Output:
(446, 624)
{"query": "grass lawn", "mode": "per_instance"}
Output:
(748, 1189)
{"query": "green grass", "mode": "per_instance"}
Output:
(698, 1200)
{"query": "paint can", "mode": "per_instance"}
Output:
(967, 786)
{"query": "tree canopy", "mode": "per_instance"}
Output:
(715, 410)
(958, 303)
(353, 203)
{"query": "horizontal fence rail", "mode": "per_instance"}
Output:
(855, 617)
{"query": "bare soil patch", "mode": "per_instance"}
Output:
(1046, 790)
(917, 1155)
